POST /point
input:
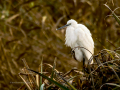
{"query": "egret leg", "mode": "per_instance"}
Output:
(80, 65)
(84, 65)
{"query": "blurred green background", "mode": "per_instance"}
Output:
(28, 31)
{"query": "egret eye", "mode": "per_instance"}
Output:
(68, 24)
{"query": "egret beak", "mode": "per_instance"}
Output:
(64, 26)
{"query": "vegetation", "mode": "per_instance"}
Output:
(28, 31)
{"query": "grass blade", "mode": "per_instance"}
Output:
(112, 84)
(49, 79)
(67, 82)
(42, 87)
(114, 15)
(52, 74)
(26, 83)
(41, 69)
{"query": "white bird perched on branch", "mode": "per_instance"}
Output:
(78, 35)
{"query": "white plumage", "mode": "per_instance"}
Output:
(78, 35)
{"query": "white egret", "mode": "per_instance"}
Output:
(78, 35)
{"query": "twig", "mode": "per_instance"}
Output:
(114, 15)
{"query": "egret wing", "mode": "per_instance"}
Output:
(84, 28)
(85, 40)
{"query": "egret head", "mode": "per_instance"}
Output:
(71, 22)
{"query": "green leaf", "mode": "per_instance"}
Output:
(66, 82)
(42, 87)
(49, 79)
(41, 72)
(52, 74)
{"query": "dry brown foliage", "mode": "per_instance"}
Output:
(28, 30)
